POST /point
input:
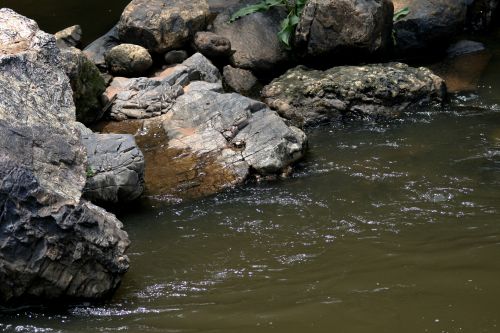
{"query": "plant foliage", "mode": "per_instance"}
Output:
(396, 17)
(288, 25)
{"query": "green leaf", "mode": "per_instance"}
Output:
(258, 7)
(299, 6)
(400, 14)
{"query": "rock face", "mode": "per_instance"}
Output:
(97, 49)
(128, 60)
(53, 244)
(253, 39)
(344, 27)
(140, 98)
(115, 171)
(86, 82)
(71, 36)
(429, 25)
(309, 96)
(212, 45)
(240, 80)
(162, 25)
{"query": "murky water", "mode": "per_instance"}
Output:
(387, 227)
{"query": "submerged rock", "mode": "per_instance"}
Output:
(71, 36)
(344, 28)
(128, 60)
(53, 244)
(96, 51)
(162, 25)
(115, 171)
(309, 96)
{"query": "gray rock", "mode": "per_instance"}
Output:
(175, 57)
(128, 60)
(162, 25)
(344, 28)
(464, 47)
(212, 45)
(115, 171)
(204, 86)
(97, 49)
(53, 244)
(254, 39)
(71, 36)
(309, 96)
(240, 80)
(429, 26)
(202, 69)
(86, 82)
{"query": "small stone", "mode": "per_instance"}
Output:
(128, 60)
(239, 80)
(175, 57)
(212, 45)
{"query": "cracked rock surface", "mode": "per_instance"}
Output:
(310, 96)
(53, 244)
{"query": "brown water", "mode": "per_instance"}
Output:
(386, 227)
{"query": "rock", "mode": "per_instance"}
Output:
(204, 86)
(481, 13)
(53, 244)
(212, 45)
(175, 57)
(86, 82)
(162, 25)
(71, 36)
(429, 26)
(97, 49)
(310, 96)
(464, 47)
(240, 80)
(344, 28)
(128, 60)
(115, 171)
(254, 39)
(140, 98)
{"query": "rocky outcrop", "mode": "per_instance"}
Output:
(429, 25)
(86, 82)
(53, 244)
(162, 25)
(254, 39)
(69, 37)
(96, 51)
(140, 98)
(240, 80)
(310, 96)
(344, 28)
(212, 45)
(128, 60)
(115, 168)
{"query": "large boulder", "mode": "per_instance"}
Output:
(309, 96)
(97, 50)
(254, 39)
(429, 26)
(344, 28)
(53, 244)
(115, 171)
(128, 60)
(162, 25)
(86, 82)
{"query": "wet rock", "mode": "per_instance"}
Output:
(175, 57)
(53, 244)
(240, 80)
(86, 82)
(429, 26)
(71, 36)
(254, 39)
(97, 49)
(115, 171)
(128, 60)
(161, 25)
(310, 96)
(344, 28)
(212, 45)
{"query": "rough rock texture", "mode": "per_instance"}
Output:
(139, 98)
(429, 26)
(309, 96)
(481, 13)
(97, 49)
(344, 27)
(71, 36)
(162, 25)
(128, 60)
(212, 45)
(53, 244)
(86, 82)
(115, 171)
(240, 80)
(254, 39)
(175, 57)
